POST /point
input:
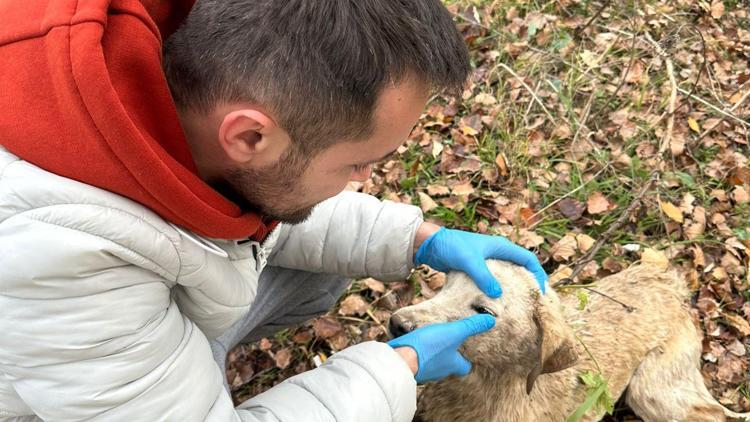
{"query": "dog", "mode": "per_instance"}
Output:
(528, 367)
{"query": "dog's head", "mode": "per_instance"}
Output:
(530, 335)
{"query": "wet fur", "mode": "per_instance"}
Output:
(653, 352)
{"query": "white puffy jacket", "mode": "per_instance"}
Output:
(105, 308)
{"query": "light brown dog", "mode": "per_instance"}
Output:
(527, 368)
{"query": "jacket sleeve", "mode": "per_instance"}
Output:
(352, 234)
(90, 330)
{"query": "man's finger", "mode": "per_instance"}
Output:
(474, 325)
(461, 365)
(484, 279)
(509, 251)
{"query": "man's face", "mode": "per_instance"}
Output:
(289, 189)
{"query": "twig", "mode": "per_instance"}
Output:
(589, 256)
(624, 305)
(724, 113)
(528, 88)
(667, 140)
(734, 107)
(377, 321)
(593, 18)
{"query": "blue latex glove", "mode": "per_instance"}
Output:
(463, 251)
(437, 346)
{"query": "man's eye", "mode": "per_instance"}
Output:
(360, 167)
(480, 309)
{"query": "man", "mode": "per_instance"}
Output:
(139, 214)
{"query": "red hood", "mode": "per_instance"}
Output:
(83, 96)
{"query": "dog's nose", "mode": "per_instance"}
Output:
(398, 326)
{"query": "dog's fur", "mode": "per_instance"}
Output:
(527, 368)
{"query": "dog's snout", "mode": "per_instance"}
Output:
(398, 326)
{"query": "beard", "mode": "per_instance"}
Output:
(270, 191)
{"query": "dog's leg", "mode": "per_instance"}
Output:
(668, 386)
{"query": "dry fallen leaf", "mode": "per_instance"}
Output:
(426, 203)
(694, 125)
(739, 323)
(528, 239)
(485, 99)
(282, 358)
(698, 225)
(740, 195)
(717, 9)
(502, 166)
(671, 211)
(562, 272)
(598, 203)
(565, 248)
(353, 305)
(463, 189)
(585, 242)
(571, 208)
(374, 285)
(326, 327)
(654, 257)
(437, 190)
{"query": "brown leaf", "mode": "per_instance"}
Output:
(282, 358)
(437, 190)
(528, 216)
(463, 189)
(528, 239)
(502, 165)
(636, 73)
(303, 337)
(585, 242)
(571, 208)
(731, 369)
(736, 348)
(697, 227)
(739, 323)
(599, 204)
(562, 131)
(353, 305)
(717, 9)
(612, 265)
(374, 285)
(565, 248)
(563, 271)
(326, 327)
(339, 341)
(740, 195)
(485, 99)
(426, 203)
(739, 176)
(265, 344)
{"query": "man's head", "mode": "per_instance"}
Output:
(284, 101)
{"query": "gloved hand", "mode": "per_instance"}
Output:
(437, 346)
(450, 249)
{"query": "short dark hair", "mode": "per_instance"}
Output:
(317, 65)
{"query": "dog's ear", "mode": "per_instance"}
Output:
(555, 344)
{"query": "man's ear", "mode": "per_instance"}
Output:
(555, 344)
(249, 135)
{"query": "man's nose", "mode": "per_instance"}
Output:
(398, 326)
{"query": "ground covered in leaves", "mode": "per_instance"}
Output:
(575, 108)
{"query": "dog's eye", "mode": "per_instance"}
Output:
(483, 310)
